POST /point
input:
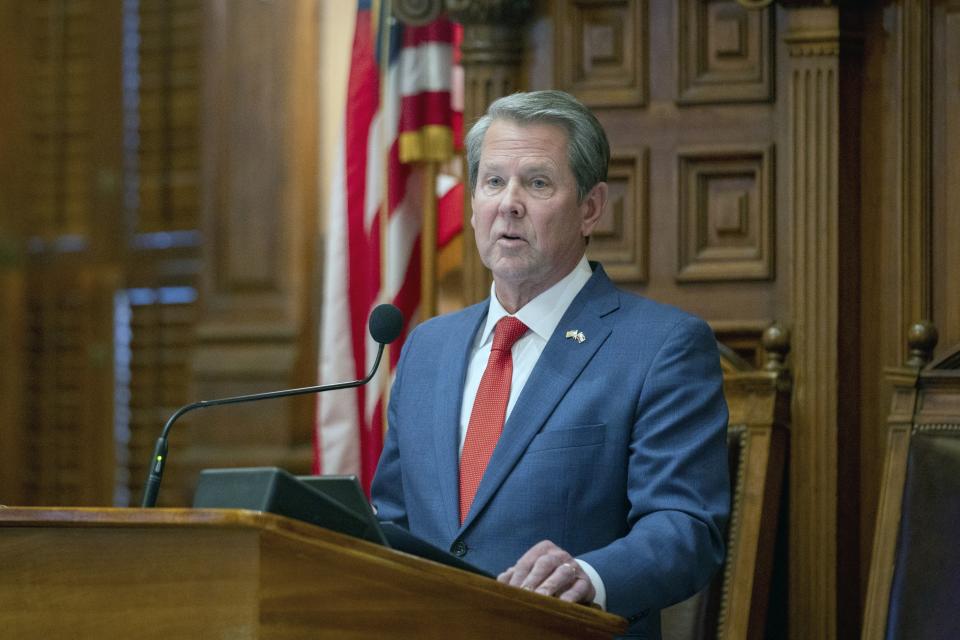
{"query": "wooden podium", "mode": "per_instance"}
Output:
(218, 573)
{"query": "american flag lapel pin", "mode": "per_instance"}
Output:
(574, 334)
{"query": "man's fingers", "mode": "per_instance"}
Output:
(526, 563)
(546, 568)
(549, 570)
(581, 590)
(563, 578)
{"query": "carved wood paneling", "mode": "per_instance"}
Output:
(258, 158)
(620, 240)
(246, 99)
(724, 52)
(601, 51)
(726, 214)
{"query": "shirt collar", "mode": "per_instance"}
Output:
(543, 313)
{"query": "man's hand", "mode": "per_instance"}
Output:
(551, 571)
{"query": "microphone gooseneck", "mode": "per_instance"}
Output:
(385, 325)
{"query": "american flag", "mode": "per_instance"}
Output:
(374, 217)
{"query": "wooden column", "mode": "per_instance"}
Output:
(823, 123)
(492, 50)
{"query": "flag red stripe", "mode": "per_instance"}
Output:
(425, 108)
(449, 215)
(364, 245)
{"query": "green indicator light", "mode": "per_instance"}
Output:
(159, 458)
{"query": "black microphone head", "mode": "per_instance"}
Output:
(385, 323)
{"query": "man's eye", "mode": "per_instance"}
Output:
(494, 182)
(539, 183)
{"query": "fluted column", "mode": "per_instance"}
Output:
(823, 125)
(492, 55)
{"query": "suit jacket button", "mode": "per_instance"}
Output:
(459, 548)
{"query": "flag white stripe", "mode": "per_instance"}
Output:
(375, 169)
(425, 68)
(337, 410)
(402, 232)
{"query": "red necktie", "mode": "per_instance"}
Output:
(489, 410)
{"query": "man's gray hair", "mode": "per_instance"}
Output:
(587, 148)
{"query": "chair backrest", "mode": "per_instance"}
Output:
(734, 604)
(914, 585)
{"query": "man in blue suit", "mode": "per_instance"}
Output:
(565, 435)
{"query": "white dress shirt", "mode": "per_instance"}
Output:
(541, 315)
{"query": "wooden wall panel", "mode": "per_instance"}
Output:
(725, 52)
(664, 125)
(726, 214)
(604, 57)
(620, 239)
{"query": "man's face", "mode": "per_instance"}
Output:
(529, 227)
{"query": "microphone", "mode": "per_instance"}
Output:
(385, 324)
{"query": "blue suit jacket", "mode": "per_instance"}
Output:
(615, 450)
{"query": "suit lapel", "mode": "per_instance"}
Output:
(453, 362)
(559, 366)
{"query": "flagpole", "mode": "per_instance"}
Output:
(383, 212)
(428, 243)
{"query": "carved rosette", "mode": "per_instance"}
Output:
(416, 12)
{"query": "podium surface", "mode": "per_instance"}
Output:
(224, 573)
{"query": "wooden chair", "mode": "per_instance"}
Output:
(735, 604)
(914, 585)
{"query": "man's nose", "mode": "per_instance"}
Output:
(511, 200)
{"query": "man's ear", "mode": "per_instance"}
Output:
(592, 207)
